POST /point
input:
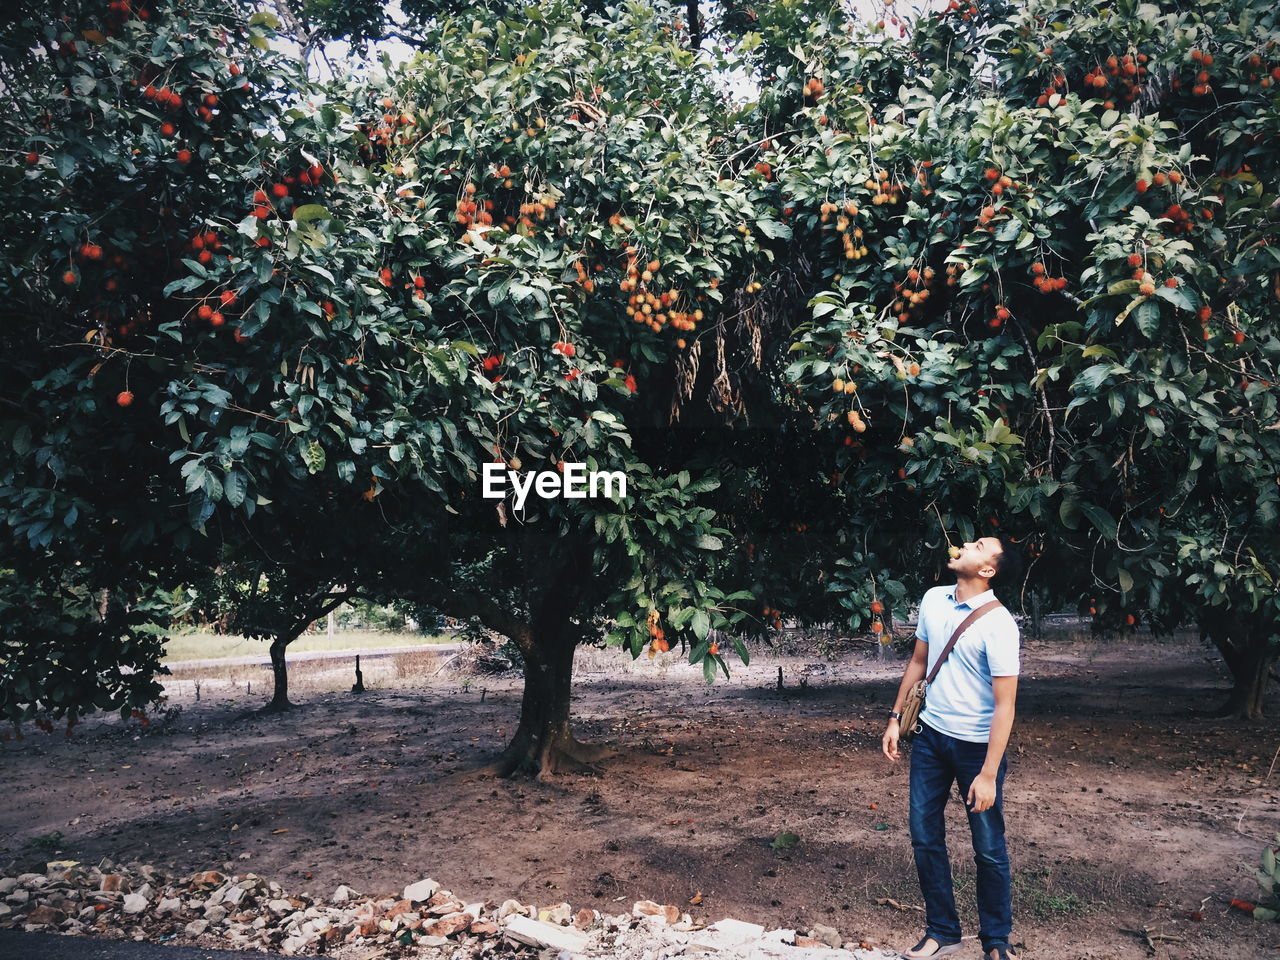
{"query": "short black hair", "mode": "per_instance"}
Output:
(1008, 564)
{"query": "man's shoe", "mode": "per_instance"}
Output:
(929, 949)
(1004, 952)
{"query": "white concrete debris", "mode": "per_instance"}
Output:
(247, 912)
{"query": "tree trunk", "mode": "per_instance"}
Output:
(1246, 649)
(695, 24)
(280, 674)
(544, 743)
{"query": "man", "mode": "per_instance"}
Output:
(965, 726)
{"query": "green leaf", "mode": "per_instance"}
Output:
(1123, 286)
(310, 211)
(1101, 520)
(784, 841)
(701, 624)
(1069, 513)
(1125, 579)
(319, 271)
(315, 457)
(1147, 317)
(1180, 297)
(467, 347)
(234, 487)
(774, 229)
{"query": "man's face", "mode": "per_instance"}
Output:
(977, 558)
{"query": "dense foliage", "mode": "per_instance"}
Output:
(1006, 268)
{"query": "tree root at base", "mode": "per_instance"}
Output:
(564, 754)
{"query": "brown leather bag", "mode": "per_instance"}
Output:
(911, 709)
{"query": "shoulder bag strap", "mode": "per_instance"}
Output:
(974, 615)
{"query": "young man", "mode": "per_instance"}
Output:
(965, 726)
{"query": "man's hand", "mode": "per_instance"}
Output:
(890, 742)
(982, 792)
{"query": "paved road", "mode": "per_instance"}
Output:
(15, 945)
(264, 659)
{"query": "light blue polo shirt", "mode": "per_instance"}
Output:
(960, 701)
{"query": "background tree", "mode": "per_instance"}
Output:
(1041, 280)
(1047, 293)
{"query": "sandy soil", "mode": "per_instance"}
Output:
(1124, 810)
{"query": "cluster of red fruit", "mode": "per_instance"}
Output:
(999, 181)
(812, 89)
(629, 381)
(1056, 82)
(211, 313)
(1046, 284)
(468, 210)
(657, 635)
(278, 199)
(585, 281)
(885, 191)
(528, 211)
(828, 207)
(1204, 315)
(965, 11)
(851, 240)
(1202, 85)
(491, 363)
(1126, 75)
(1258, 72)
(394, 126)
(922, 177)
(163, 97)
(118, 11)
(1181, 219)
(1146, 283)
(1159, 180)
(775, 613)
(913, 292)
(1002, 314)
(654, 309)
(204, 245)
(563, 349)
(93, 253)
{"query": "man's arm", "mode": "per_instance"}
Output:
(913, 673)
(982, 793)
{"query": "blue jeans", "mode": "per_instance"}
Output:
(937, 761)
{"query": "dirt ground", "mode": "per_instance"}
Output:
(1124, 810)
